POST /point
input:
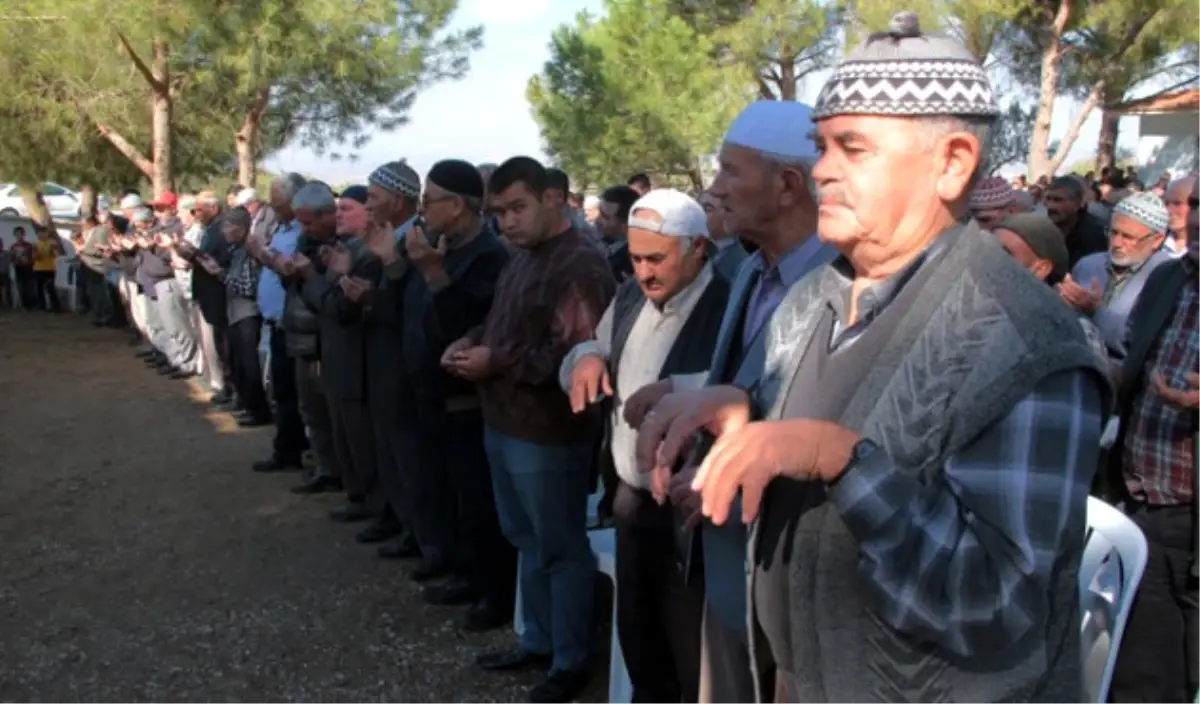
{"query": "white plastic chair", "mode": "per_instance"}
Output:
(1114, 558)
(604, 547)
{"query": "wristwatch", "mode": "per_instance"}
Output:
(859, 453)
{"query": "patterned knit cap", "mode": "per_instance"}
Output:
(397, 177)
(905, 72)
(992, 193)
(1146, 208)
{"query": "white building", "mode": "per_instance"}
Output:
(1168, 133)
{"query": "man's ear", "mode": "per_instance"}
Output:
(959, 154)
(1042, 268)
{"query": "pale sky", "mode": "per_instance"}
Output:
(485, 117)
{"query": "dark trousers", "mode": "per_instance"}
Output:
(26, 288)
(6, 291)
(100, 300)
(431, 490)
(658, 615)
(354, 444)
(244, 364)
(485, 558)
(47, 293)
(290, 438)
(1159, 654)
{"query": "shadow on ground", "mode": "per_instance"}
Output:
(143, 561)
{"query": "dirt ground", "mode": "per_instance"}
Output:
(142, 560)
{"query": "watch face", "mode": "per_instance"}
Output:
(864, 449)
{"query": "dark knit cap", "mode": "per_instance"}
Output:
(358, 193)
(458, 177)
(1044, 239)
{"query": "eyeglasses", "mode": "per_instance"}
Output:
(1114, 234)
(426, 201)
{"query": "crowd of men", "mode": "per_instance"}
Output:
(847, 406)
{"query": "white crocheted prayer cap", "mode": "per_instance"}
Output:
(1146, 208)
(680, 214)
(781, 129)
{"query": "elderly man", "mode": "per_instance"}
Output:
(729, 253)
(449, 268)
(343, 373)
(1153, 470)
(662, 322)
(921, 394)
(1036, 244)
(209, 295)
(271, 250)
(1176, 197)
(992, 199)
(262, 226)
(322, 383)
(1084, 232)
(763, 187)
(1106, 285)
(238, 271)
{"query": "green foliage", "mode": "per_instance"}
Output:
(636, 91)
(329, 70)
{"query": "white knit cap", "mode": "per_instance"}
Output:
(142, 215)
(681, 215)
(131, 201)
(245, 197)
(1146, 208)
(778, 128)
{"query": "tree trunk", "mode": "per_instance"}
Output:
(87, 204)
(160, 119)
(35, 205)
(127, 150)
(1106, 148)
(246, 139)
(1072, 133)
(1039, 143)
(787, 77)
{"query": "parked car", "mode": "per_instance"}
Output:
(62, 201)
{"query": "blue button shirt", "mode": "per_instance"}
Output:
(270, 287)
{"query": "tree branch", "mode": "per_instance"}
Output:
(1072, 133)
(127, 150)
(141, 66)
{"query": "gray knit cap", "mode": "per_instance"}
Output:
(906, 72)
(397, 177)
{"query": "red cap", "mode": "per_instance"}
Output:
(167, 200)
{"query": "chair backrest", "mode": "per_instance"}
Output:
(1114, 558)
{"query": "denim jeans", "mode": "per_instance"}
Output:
(541, 498)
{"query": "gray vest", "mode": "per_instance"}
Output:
(980, 336)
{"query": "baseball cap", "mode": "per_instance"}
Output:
(168, 199)
(681, 215)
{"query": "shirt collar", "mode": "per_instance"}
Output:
(687, 297)
(794, 265)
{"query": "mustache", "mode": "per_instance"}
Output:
(831, 194)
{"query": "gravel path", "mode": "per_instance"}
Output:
(141, 560)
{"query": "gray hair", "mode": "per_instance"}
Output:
(316, 197)
(775, 161)
(934, 128)
(208, 198)
(1070, 184)
(472, 204)
(238, 217)
(288, 184)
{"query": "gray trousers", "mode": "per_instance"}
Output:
(315, 412)
(178, 336)
(725, 672)
(354, 444)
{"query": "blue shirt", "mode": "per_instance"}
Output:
(775, 281)
(270, 287)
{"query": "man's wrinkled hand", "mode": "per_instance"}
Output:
(666, 431)
(1187, 399)
(303, 265)
(644, 400)
(473, 363)
(455, 349)
(589, 380)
